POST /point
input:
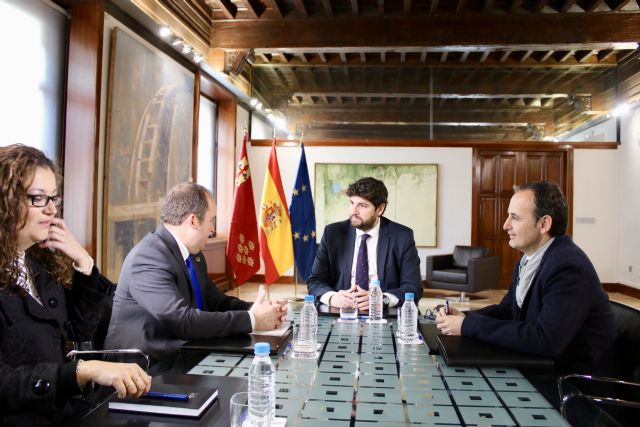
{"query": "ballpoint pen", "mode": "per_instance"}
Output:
(167, 396)
(446, 308)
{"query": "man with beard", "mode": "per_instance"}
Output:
(364, 248)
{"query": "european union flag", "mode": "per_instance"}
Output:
(303, 220)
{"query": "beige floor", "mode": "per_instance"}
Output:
(430, 298)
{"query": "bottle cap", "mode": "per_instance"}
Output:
(261, 348)
(375, 282)
(309, 298)
(408, 295)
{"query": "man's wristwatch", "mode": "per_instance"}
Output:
(386, 301)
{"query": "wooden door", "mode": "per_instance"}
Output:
(495, 174)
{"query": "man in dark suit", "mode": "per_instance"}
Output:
(164, 296)
(363, 248)
(555, 306)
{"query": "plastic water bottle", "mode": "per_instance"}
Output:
(375, 301)
(308, 326)
(262, 379)
(409, 325)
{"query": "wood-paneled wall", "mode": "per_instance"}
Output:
(82, 121)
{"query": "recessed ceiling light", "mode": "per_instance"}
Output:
(165, 31)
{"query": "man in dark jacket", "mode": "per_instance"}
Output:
(555, 306)
(363, 248)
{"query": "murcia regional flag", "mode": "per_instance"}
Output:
(276, 245)
(242, 246)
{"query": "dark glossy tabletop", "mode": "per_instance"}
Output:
(363, 377)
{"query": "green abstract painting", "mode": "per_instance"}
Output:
(413, 195)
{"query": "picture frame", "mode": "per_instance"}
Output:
(149, 142)
(412, 200)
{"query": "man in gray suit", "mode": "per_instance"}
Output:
(164, 296)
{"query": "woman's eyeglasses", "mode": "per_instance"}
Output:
(42, 200)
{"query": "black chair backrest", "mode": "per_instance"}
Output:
(627, 346)
(462, 254)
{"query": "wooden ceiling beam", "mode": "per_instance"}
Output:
(372, 113)
(585, 55)
(485, 85)
(540, 4)
(538, 59)
(276, 8)
(354, 7)
(328, 9)
(567, 5)
(487, 6)
(616, 5)
(227, 7)
(593, 5)
(255, 10)
(603, 55)
(464, 93)
(300, 7)
(445, 31)
(407, 6)
(563, 56)
(525, 56)
(363, 134)
(433, 7)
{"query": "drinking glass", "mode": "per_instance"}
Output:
(349, 310)
(239, 410)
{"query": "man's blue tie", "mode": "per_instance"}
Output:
(194, 282)
(362, 264)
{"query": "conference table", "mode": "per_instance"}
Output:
(363, 377)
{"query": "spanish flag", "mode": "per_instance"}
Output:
(276, 245)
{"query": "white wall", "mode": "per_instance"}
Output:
(595, 209)
(629, 190)
(606, 190)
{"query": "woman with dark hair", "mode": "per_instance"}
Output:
(50, 292)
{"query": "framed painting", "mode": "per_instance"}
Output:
(413, 195)
(149, 141)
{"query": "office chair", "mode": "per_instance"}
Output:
(467, 269)
(619, 398)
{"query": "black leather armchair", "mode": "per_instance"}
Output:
(467, 269)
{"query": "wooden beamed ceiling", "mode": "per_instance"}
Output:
(447, 69)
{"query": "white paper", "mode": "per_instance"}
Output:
(274, 332)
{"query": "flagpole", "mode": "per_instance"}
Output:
(295, 267)
(295, 282)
